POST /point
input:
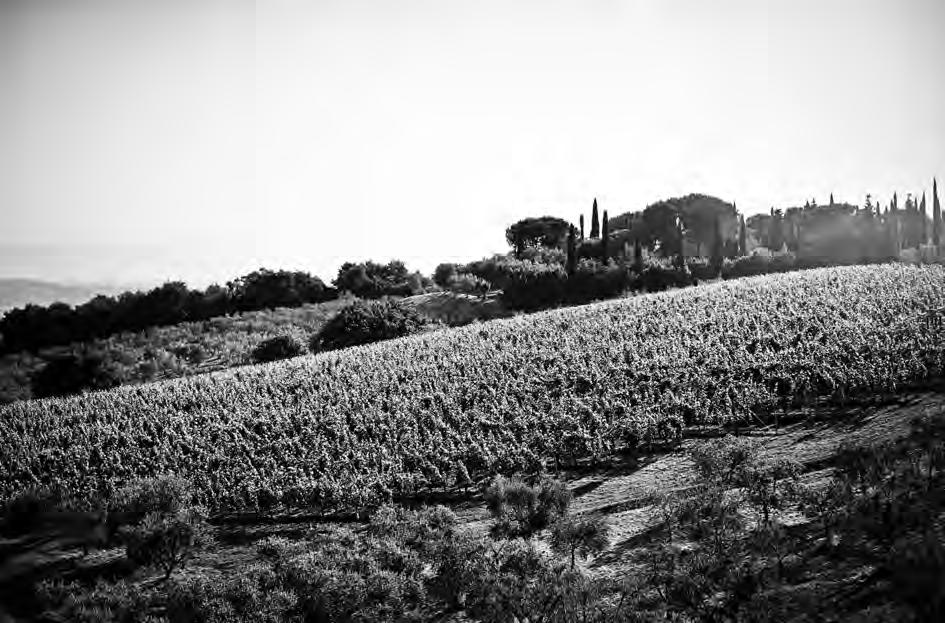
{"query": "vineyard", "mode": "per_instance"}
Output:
(354, 427)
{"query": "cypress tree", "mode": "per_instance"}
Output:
(637, 254)
(831, 198)
(595, 222)
(924, 216)
(604, 235)
(572, 251)
(582, 227)
(742, 237)
(936, 217)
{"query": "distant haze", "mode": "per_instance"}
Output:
(200, 139)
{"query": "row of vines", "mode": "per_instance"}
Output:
(350, 428)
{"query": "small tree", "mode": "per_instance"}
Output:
(165, 541)
(520, 509)
(578, 535)
(582, 226)
(444, 273)
(595, 221)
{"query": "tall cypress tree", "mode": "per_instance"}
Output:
(637, 254)
(924, 216)
(572, 251)
(936, 217)
(582, 227)
(604, 238)
(742, 236)
(595, 222)
(831, 198)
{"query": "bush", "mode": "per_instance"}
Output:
(276, 348)
(656, 278)
(751, 265)
(444, 273)
(520, 509)
(367, 322)
(164, 495)
(73, 374)
(702, 269)
(469, 284)
(164, 540)
(594, 281)
(529, 286)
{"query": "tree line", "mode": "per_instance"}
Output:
(551, 262)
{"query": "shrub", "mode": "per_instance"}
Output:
(529, 286)
(655, 278)
(520, 509)
(702, 269)
(469, 284)
(276, 348)
(759, 265)
(367, 322)
(444, 273)
(73, 374)
(165, 541)
(593, 281)
(164, 495)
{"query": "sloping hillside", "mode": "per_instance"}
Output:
(350, 428)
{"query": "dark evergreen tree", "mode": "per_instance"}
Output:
(604, 239)
(936, 218)
(638, 254)
(742, 236)
(595, 221)
(717, 246)
(831, 198)
(572, 251)
(924, 218)
(582, 227)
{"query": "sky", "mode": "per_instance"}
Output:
(142, 141)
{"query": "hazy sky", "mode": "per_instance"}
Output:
(199, 139)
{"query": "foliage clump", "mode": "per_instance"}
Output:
(277, 348)
(364, 322)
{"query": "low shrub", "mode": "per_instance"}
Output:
(520, 509)
(366, 322)
(74, 373)
(276, 348)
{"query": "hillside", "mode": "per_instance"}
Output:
(816, 586)
(190, 348)
(346, 429)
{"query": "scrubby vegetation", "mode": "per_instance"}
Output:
(748, 540)
(366, 322)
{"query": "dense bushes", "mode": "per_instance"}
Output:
(34, 327)
(366, 322)
(373, 280)
(74, 373)
(276, 348)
